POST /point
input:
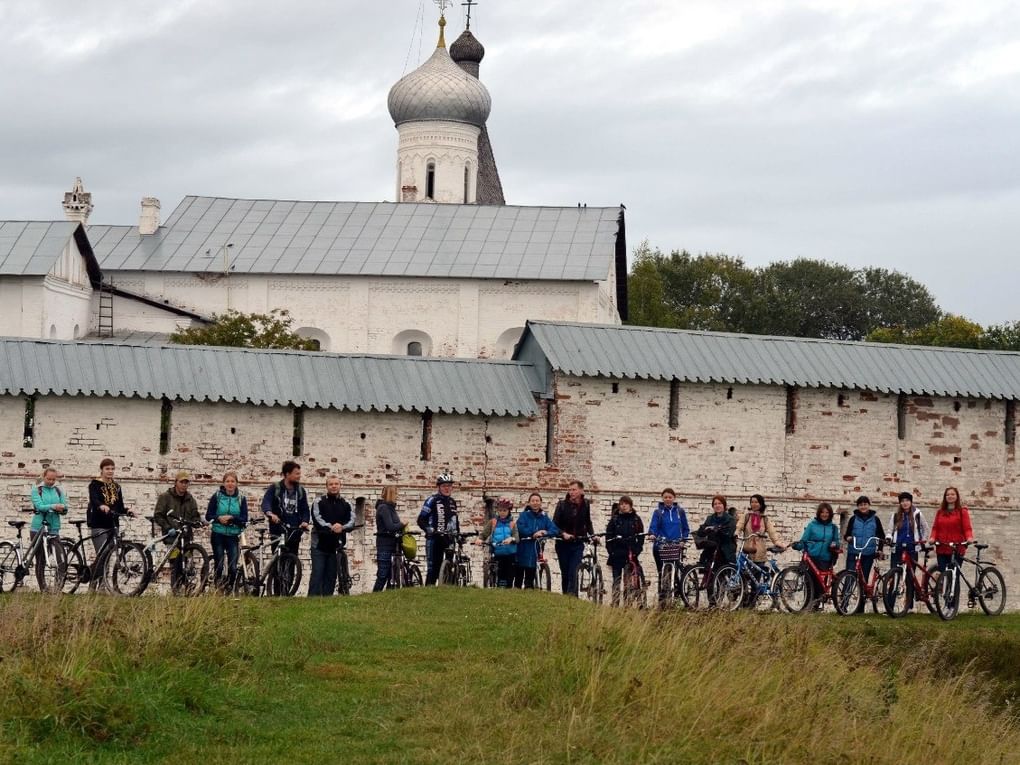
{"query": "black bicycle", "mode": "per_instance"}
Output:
(988, 588)
(345, 580)
(116, 555)
(456, 567)
(44, 553)
(590, 582)
(404, 571)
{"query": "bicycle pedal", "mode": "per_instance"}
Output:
(971, 604)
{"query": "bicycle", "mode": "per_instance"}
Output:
(671, 555)
(590, 583)
(632, 587)
(900, 580)
(189, 561)
(851, 587)
(456, 567)
(247, 578)
(748, 582)
(344, 579)
(696, 581)
(988, 588)
(116, 552)
(404, 572)
(804, 586)
(16, 561)
(282, 576)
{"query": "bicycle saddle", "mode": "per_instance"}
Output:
(980, 547)
(17, 524)
(775, 550)
(150, 518)
(79, 524)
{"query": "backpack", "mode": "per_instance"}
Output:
(409, 545)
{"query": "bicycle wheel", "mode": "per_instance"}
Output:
(543, 578)
(287, 574)
(991, 591)
(463, 575)
(445, 573)
(667, 586)
(931, 586)
(193, 571)
(343, 574)
(895, 593)
(247, 581)
(9, 578)
(727, 588)
(795, 590)
(128, 569)
(50, 576)
(597, 588)
(847, 595)
(693, 589)
(413, 574)
(947, 595)
(75, 570)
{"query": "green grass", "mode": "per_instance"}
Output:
(502, 677)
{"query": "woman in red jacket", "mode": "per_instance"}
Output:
(951, 524)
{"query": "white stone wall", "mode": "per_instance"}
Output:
(49, 307)
(460, 317)
(452, 147)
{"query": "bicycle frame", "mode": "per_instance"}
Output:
(868, 585)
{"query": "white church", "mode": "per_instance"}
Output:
(446, 270)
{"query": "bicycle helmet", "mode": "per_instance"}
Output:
(443, 478)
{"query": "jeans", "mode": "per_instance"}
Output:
(435, 549)
(867, 561)
(506, 567)
(897, 556)
(525, 577)
(945, 560)
(384, 567)
(569, 555)
(225, 546)
(324, 569)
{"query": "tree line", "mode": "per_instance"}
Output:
(797, 298)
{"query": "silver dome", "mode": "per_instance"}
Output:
(440, 90)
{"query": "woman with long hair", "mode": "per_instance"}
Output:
(951, 526)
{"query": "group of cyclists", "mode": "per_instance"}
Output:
(513, 540)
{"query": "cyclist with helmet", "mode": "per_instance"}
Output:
(438, 519)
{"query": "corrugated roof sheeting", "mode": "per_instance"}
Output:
(369, 239)
(639, 352)
(272, 378)
(30, 248)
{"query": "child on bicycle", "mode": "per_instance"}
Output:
(501, 532)
(622, 540)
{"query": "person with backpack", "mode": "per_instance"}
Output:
(951, 525)
(573, 518)
(668, 524)
(821, 542)
(439, 520)
(332, 518)
(865, 539)
(907, 530)
(623, 540)
(755, 521)
(49, 502)
(532, 524)
(285, 503)
(502, 533)
(228, 513)
(387, 526)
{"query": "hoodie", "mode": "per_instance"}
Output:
(669, 523)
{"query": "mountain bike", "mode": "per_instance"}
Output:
(748, 582)
(696, 581)
(116, 553)
(44, 553)
(282, 575)
(344, 579)
(988, 587)
(456, 567)
(901, 585)
(804, 586)
(671, 555)
(490, 567)
(188, 562)
(631, 588)
(851, 588)
(590, 583)
(404, 572)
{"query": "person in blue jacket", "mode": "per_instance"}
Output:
(821, 541)
(50, 503)
(439, 520)
(501, 532)
(228, 513)
(532, 524)
(668, 524)
(286, 502)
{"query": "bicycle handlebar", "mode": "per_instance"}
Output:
(870, 540)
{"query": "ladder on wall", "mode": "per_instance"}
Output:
(105, 327)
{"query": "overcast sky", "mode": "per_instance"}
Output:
(864, 132)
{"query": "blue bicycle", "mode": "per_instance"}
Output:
(748, 583)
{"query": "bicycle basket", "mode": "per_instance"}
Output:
(704, 542)
(409, 546)
(669, 551)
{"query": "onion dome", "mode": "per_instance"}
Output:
(440, 90)
(466, 48)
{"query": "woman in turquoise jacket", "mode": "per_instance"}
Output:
(820, 541)
(50, 503)
(228, 513)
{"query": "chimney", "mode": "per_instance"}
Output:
(148, 221)
(78, 203)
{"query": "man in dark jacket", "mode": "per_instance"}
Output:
(176, 506)
(438, 519)
(286, 502)
(573, 518)
(332, 518)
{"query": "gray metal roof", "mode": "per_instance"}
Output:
(272, 378)
(371, 239)
(31, 248)
(662, 354)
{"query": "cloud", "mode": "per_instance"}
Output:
(863, 132)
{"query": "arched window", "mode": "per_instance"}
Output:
(77, 332)
(430, 181)
(467, 184)
(53, 331)
(319, 338)
(414, 348)
(506, 345)
(411, 342)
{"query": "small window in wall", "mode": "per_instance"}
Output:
(901, 416)
(1010, 423)
(165, 418)
(791, 409)
(674, 404)
(467, 184)
(77, 331)
(414, 348)
(53, 331)
(28, 435)
(299, 431)
(426, 437)
(430, 181)
(550, 432)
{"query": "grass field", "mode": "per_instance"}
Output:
(489, 676)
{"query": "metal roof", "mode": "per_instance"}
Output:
(272, 378)
(31, 248)
(371, 239)
(661, 354)
(439, 90)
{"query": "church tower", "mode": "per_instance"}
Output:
(439, 111)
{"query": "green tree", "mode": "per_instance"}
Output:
(808, 298)
(247, 330)
(646, 294)
(1002, 337)
(950, 331)
(708, 291)
(893, 299)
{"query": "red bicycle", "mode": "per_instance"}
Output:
(804, 586)
(631, 588)
(851, 587)
(901, 585)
